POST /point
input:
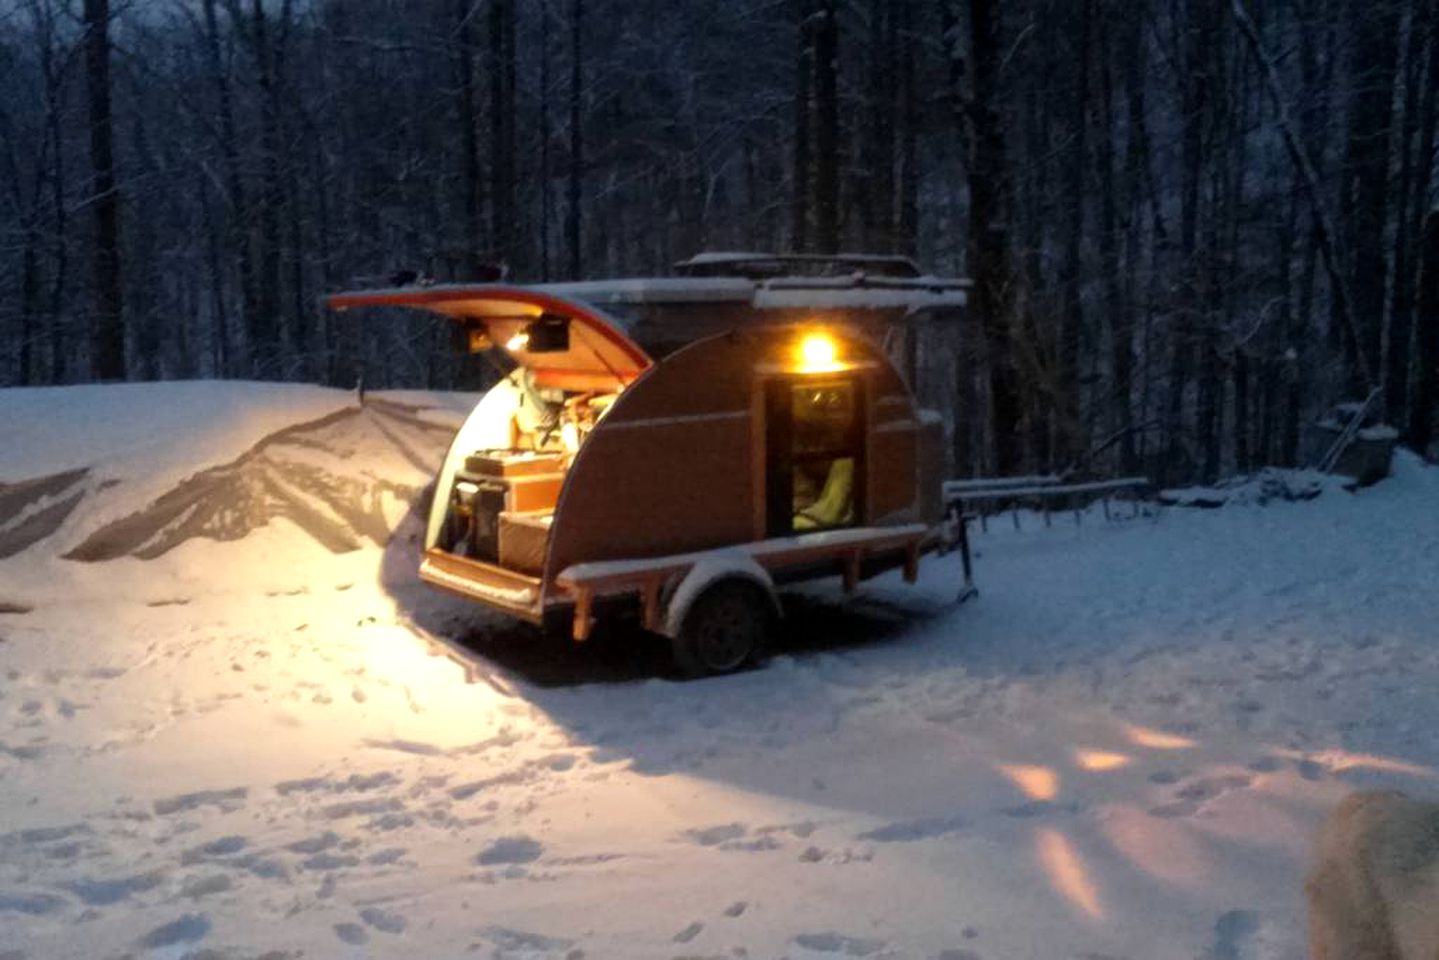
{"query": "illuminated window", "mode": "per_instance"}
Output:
(815, 450)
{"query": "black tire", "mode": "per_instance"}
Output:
(724, 630)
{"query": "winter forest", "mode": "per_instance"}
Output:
(1192, 225)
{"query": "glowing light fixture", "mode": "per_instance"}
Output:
(817, 354)
(518, 342)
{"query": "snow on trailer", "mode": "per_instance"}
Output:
(887, 299)
(686, 487)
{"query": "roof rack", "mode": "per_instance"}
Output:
(759, 266)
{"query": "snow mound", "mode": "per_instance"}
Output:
(1256, 489)
(345, 476)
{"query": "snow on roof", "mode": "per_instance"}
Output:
(848, 293)
(856, 291)
(655, 290)
(773, 263)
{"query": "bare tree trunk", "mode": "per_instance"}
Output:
(265, 334)
(1324, 234)
(988, 245)
(874, 186)
(908, 51)
(220, 325)
(1366, 165)
(1187, 321)
(826, 139)
(469, 138)
(29, 305)
(1121, 330)
(572, 213)
(1426, 383)
(53, 73)
(502, 130)
(1139, 180)
(237, 207)
(1416, 170)
(1069, 430)
(544, 124)
(107, 356)
(800, 185)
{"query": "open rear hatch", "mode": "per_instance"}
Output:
(596, 353)
(495, 496)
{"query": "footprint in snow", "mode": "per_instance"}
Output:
(199, 886)
(510, 943)
(315, 844)
(1236, 934)
(689, 932)
(227, 800)
(841, 856)
(831, 942)
(518, 849)
(102, 893)
(1036, 808)
(30, 904)
(190, 928)
(906, 831)
(351, 933)
(1208, 788)
(713, 836)
(1190, 797)
(383, 920)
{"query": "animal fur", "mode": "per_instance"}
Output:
(1374, 889)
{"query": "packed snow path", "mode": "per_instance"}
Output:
(1120, 750)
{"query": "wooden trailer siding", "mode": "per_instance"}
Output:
(676, 465)
(892, 489)
(652, 489)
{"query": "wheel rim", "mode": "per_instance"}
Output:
(726, 636)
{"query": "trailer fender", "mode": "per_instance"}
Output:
(722, 565)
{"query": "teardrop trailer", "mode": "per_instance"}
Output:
(687, 488)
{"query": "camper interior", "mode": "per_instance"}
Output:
(515, 449)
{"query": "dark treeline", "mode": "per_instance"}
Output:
(1192, 224)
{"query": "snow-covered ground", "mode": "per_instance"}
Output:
(252, 746)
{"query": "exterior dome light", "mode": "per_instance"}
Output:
(817, 354)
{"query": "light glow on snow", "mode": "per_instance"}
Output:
(1160, 846)
(1337, 760)
(1066, 871)
(1101, 760)
(1156, 739)
(1035, 782)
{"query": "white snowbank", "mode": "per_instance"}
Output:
(152, 428)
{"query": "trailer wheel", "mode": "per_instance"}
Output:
(724, 629)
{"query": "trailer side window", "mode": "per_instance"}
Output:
(815, 454)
